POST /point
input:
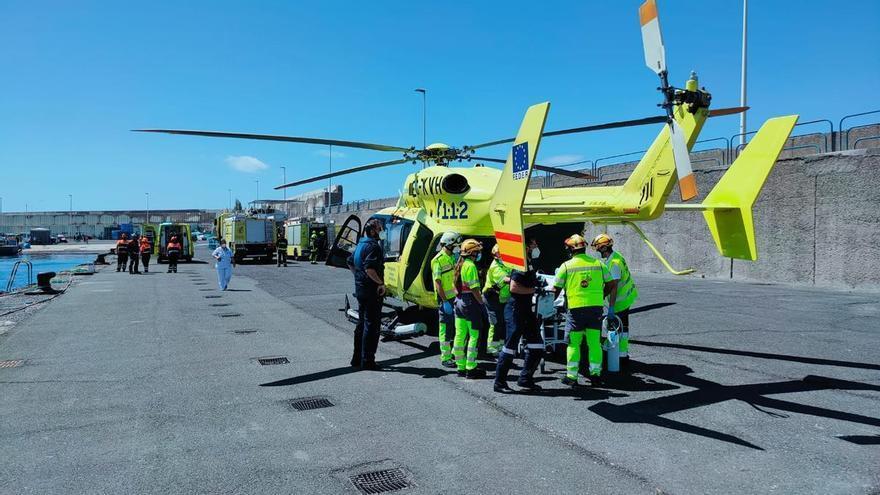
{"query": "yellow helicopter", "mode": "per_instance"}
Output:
(497, 206)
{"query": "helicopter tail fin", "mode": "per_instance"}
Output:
(728, 207)
(505, 209)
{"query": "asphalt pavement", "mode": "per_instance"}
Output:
(152, 384)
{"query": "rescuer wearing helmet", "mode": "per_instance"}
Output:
(468, 309)
(313, 248)
(146, 249)
(443, 273)
(134, 248)
(122, 252)
(368, 265)
(281, 249)
(521, 322)
(626, 291)
(586, 281)
(496, 291)
(173, 249)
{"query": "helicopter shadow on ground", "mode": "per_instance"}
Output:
(705, 392)
(760, 355)
(861, 439)
(649, 307)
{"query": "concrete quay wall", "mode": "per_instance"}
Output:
(817, 222)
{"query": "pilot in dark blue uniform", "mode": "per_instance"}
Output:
(368, 265)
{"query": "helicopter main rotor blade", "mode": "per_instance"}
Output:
(341, 172)
(659, 119)
(721, 112)
(546, 168)
(562, 171)
(589, 128)
(270, 137)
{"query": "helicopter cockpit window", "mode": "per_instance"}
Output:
(396, 232)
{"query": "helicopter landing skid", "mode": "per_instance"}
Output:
(393, 326)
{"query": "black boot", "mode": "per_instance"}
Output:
(528, 383)
(502, 387)
(475, 374)
(533, 359)
(502, 368)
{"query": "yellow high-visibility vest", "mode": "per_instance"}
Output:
(583, 278)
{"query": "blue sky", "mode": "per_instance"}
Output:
(78, 75)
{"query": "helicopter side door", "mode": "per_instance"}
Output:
(346, 242)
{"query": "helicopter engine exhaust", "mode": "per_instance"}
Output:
(455, 184)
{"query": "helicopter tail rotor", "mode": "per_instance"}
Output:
(652, 38)
(655, 59)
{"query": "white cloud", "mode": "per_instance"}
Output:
(557, 160)
(336, 154)
(247, 164)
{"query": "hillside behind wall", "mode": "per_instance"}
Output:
(817, 222)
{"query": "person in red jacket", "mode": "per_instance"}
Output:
(146, 250)
(122, 252)
(172, 250)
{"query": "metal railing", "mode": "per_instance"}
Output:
(30, 274)
(845, 144)
(863, 138)
(725, 152)
(826, 138)
(866, 138)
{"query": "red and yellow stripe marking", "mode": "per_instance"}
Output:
(510, 247)
(647, 12)
(688, 187)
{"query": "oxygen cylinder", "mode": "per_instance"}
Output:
(613, 351)
(411, 330)
(611, 331)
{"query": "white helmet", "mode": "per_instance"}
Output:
(450, 239)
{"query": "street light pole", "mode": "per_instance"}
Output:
(424, 93)
(330, 179)
(70, 215)
(742, 97)
(284, 181)
(148, 207)
(258, 191)
(230, 198)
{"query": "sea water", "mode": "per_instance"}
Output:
(42, 263)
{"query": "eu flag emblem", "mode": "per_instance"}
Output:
(521, 161)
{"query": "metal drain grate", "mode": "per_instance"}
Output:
(206, 290)
(200, 283)
(220, 305)
(11, 363)
(382, 481)
(212, 297)
(309, 403)
(229, 315)
(268, 361)
(245, 331)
